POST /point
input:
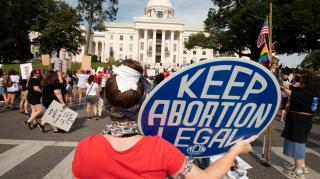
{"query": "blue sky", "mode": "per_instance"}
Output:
(191, 11)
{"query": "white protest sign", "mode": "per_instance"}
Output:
(100, 106)
(151, 72)
(25, 70)
(205, 108)
(62, 118)
(1, 66)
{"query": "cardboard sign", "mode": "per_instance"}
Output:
(205, 108)
(45, 60)
(25, 70)
(151, 72)
(59, 117)
(69, 63)
(86, 63)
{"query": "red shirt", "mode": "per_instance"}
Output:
(151, 157)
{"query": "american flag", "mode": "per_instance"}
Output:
(263, 33)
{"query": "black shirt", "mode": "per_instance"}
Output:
(48, 93)
(301, 101)
(23, 83)
(32, 94)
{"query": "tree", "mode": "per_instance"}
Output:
(234, 26)
(16, 19)
(95, 12)
(296, 26)
(312, 59)
(60, 29)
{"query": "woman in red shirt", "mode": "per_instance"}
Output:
(121, 152)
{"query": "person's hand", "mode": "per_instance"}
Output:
(63, 106)
(244, 145)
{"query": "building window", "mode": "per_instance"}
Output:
(174, 58)
(141, 57)
(141, 35)
(185, 52)
(121, 37)
(121, 47)
(174, 47)
(175, 36)
(141, 46)
(194, 52)
(111, 37)
(204, 53)
(130, 47)
(120, 56)
(131, 37)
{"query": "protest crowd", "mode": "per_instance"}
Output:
(123, 90)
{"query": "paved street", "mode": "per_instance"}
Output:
(31, 154)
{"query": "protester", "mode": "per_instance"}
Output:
(3, 87)
(23, 97)
(12, 88)
(92, 94)
(298, 124)
(34, 98)
(69, 89)
(52, 90)
(82, 80)
(122, 152)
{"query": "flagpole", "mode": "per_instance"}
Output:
(269, 129)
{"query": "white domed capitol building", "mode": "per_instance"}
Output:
(157, 37)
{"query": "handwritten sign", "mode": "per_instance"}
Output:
(45, 60)
(86, 63)
(205, 108)
(25, 70)
(69, 63)
(62, 118)
(151, 72)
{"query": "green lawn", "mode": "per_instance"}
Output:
(74, 66)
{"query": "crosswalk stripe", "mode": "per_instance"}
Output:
(16, 155)
(63, 169)
(314, 141)
(36, 142)
(276, 163)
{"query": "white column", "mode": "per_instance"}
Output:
(154, 42)
(162, 46)
(96, 48)
(103, 52)
(145, 45)
(136, 45)
(180, 48)
(171, 45)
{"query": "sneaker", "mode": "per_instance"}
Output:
(294, 174)
(288, 166)
(27, 124)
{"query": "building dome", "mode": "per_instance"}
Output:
(159, 3)
(162, 9)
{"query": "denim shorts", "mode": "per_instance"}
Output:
(294, 150)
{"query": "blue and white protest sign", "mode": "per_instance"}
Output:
(204, 109)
